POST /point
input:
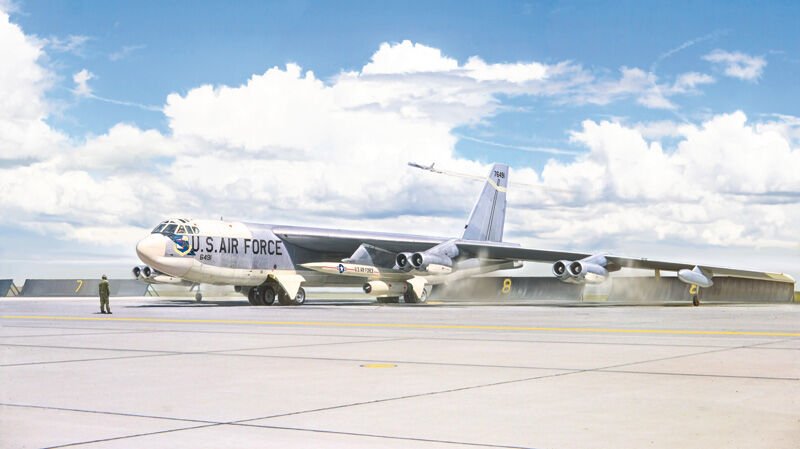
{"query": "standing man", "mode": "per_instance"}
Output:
(104, 294)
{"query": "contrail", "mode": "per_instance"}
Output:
(520, 148)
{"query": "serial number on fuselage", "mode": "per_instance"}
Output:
(230, 245)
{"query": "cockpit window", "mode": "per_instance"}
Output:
(170, 229)
(159, 228)
(181, 230)
(195, 230)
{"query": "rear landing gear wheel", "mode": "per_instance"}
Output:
(198, 297)
(300, 297)
(267, 296)
(254, 297)
(388, 300)
(695, 301)
(284, 299)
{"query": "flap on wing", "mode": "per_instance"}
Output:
(486, 250)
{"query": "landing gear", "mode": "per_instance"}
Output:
(694, 290)
(411, 298)
(389, 300)
(198, 297)
(285, 300)
(267, 295)
(254, 297)
(300, 297)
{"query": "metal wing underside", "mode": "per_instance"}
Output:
(507, 251)
(342, 241)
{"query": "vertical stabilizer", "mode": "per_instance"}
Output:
(489, 214)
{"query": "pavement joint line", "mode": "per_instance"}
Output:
(201, 331)
(99, 359)
(206, 423)
(412, 326)
(385, 437)
(69, 335)
(493, 384)
(721, 376)
(125, 437)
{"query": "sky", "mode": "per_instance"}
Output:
(667, 130)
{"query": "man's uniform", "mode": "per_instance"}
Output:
(104, 294)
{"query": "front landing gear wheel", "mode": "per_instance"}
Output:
(695, 301)
(198, 297)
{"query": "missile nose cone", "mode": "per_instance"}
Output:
(151, 247)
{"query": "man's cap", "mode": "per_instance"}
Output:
(104, 277)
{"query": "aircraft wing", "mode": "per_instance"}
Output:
(507, 251)
(339, 241)
(345, 242)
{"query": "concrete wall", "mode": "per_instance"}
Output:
(81, 287)
(622, 290)
(647, 289)
(509, 288)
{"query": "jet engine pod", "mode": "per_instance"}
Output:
(695, 276)
(381, 288)
(588, 272)
(137, 271)
(560, 270)
(403, 261)
(423, 261)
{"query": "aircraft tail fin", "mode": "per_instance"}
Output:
(489, 214)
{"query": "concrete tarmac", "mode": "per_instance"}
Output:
(167, 372)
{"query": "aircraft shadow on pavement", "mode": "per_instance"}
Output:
(164, 303)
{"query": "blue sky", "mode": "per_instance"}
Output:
(719, 68)
(142, 51)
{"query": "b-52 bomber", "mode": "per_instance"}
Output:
(265, 261)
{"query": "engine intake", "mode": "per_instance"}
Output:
(591, 270)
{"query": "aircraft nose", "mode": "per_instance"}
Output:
(151, 248)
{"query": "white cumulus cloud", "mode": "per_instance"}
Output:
(738, 65)
(81, 80)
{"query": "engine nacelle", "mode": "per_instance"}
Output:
(438, 259)
(590, 270)
(381, 288)
(695, 276)
(403, 262)
(560, 270)
(142, 272)
(586, 272)
(422, 261)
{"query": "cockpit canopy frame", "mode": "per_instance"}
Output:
(173, 226)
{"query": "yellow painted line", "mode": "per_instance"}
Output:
(379, 365)
(410, 326)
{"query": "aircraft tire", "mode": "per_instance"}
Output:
(267, 296)
(388, 300)
(254, 297)
(423, 298)
(695, 301)
(300, 298)
(284, 299)
(409, 297)
(198, 297)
